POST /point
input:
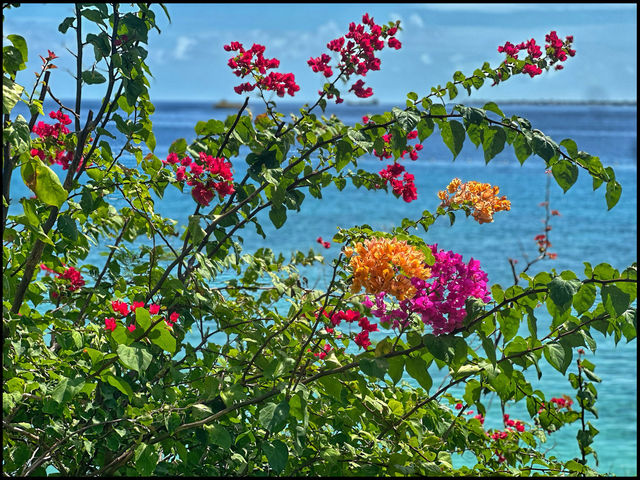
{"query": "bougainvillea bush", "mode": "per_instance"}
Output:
(98, 378)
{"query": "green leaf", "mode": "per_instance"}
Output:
(558, 355)
(135, 358)
(360, 140)
(565, 173)
(406, 119)
(492, 107)
(374, 367)
(67, 389)
(66, 23)
(490, 350)
(210, 127)
(541, 147)
(43, 182)
(161, 337)
(561, 291)
(590, 375)
(615, 300)
(417, 368)
(91, 77)
(19, 136)
(509, 321)
(521, 148)
(584, 298)
(119, 383)
(278, 215)
(277, 455)
(21, 45)
(218, 435)
(614, 190)
(143, 318)
(396, 368)
(493, 142)
(145, 459)
(273, 416)
(453, 135)
(11, 92)
(572, 148)
(67, 226)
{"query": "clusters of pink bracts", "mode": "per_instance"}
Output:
(351, 316)
(556, 50)
(52, 136)
(72, 279)
(404, 187)
(206, 176)
(124, 310)
(357, 54)
(252, 62)
(439, 300)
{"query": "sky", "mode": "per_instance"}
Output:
(188, 62)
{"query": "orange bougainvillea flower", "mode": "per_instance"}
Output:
(481, 196)
(386, 265)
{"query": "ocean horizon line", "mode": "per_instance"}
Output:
(286, 102)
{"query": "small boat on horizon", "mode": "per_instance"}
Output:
(353, 103)
(227, 104)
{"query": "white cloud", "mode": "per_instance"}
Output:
(426, 59)
(416, 20)
(182, 46)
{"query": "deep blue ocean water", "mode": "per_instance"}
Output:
(584, 231)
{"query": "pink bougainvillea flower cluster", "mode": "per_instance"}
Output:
(252, 62)
(51, 147)
(404, 187)
(206, 176)
(123, 309)
(556, 51)
(326, 348)
(351, 316)
(357, 55)
(439, 299)
(517, 424)
(559, 402)
(71, 279)
(323, 243)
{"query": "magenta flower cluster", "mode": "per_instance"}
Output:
(439, 300)
(357, 51)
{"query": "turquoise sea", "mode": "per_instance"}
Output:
(584, 231)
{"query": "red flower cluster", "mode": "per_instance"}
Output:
(564, 402)
(519, 426)
(123, 309)
(218, 177)
(556, 50)
(322, 353)
(405, 187)
(253, 62)
(53, 138)
(412, 150)
(323, 243)
(350, 316)
(357, 51)
(73, 277)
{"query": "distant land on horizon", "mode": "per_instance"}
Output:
(629, 102)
